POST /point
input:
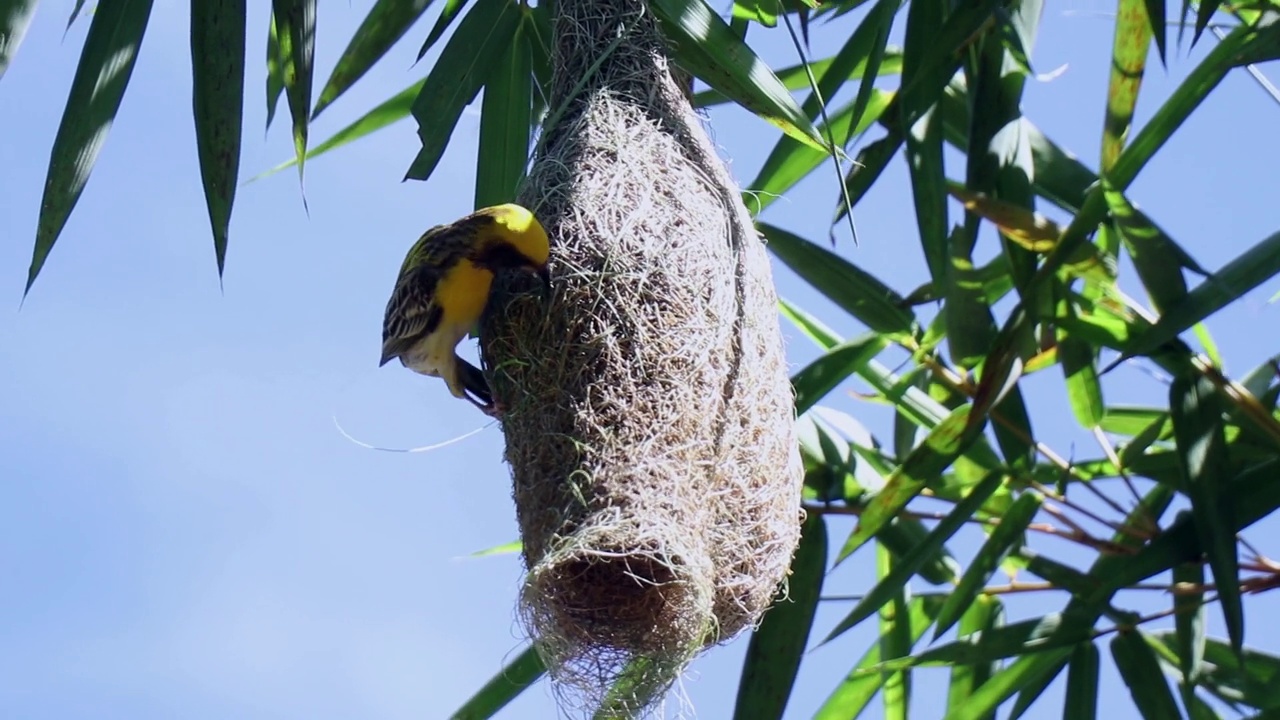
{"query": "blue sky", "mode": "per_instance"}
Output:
(184, 533)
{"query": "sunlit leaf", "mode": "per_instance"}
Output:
(106, 64)
(15, 16)
(386, 23)
(464, 66)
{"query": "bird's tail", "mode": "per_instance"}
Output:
(474, 382)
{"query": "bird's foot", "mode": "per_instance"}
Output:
(493, 409)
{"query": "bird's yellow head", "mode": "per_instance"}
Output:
(514, 239)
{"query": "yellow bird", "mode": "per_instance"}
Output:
(443, 288)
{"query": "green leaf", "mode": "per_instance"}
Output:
(903, 536)
(1033, 637)
(764, 12)
(1031, 691)
(776, 647)
(1240, 46)
(1197, 410)
(940, 448)
(1157, 258)
(296, 32)
(1246, 272)
(708, 49)
(856, 291)
(1010, 531)
(895, 642)
(880, 18)
(106, 64)
(795, 77)
(387, 113)
(825, 337)
(928, 187)
(515, 678)
(447, 16)
(983, 615)
(1157, 18)
(791, 161)
(855, 692)
(217, 84)
(1141, 673)
(1080, 369)
(907, 565)
(1081, 699)
(1203, 15)
(823, 375)
(275, 70)
(1255, 682)
(505, 123)
(15, 17)
(465, 64)
(504, 549)
(75, 13)
(386, 23)
(1189, 618)
(1128, 63)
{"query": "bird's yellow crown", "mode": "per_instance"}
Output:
(520, 229)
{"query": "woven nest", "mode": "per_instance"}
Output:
(650, 421)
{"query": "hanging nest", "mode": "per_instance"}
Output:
(649, 417)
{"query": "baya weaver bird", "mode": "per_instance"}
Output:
(443, 288)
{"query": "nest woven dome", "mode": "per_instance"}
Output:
(650, 420)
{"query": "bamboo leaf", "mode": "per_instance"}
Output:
(217, 85)
(15, 17)
(1189, 618)
(1157, 258)
(895, 642)
(505, 123)
(1244, 273)
(1013, 525)
(794, 77)
(903, 535)
(823, 375)
(386, 23)
(296, 32)
(791, 161)
(1240, 46)
(515, 678)
(275, 70)
(390, 111)
(776, 647)
(447, 16)
(504, 549)
(855, 692)
(940, 448)
(465, 64)
(708, 49)
(907, 565)
(880, 18)
(1197, 413)
(1084, 391)
(106, 64)
(1141, 673)
(75, 13)
(1128, 63)
(1081, 699)
(983, 615)
(853, 289)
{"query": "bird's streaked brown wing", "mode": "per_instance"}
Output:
(411, 313)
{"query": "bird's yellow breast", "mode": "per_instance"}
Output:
(463, 292)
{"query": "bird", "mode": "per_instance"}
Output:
(443, 287)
